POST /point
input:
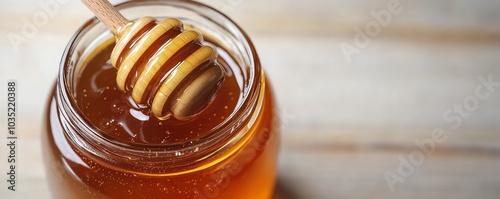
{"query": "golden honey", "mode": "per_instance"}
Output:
(99, 144)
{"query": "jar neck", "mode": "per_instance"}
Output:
(87, 139)
(156, 160)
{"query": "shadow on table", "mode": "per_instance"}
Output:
(282, 191)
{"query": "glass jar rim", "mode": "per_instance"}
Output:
(181, 154)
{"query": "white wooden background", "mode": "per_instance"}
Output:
(344, 124)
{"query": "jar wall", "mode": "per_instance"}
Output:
(249, 173)
(244, 169)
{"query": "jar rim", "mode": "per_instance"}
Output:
(181, 154)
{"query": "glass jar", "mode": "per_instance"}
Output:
(235, 159)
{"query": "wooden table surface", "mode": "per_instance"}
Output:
(348, 126)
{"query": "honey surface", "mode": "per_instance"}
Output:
(115, 113)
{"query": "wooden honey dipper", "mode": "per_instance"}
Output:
(166, 68)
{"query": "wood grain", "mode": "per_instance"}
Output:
(107, 14)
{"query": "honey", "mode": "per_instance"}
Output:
(99, 144)
(117, 116)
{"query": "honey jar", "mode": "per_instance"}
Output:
(99, 144)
